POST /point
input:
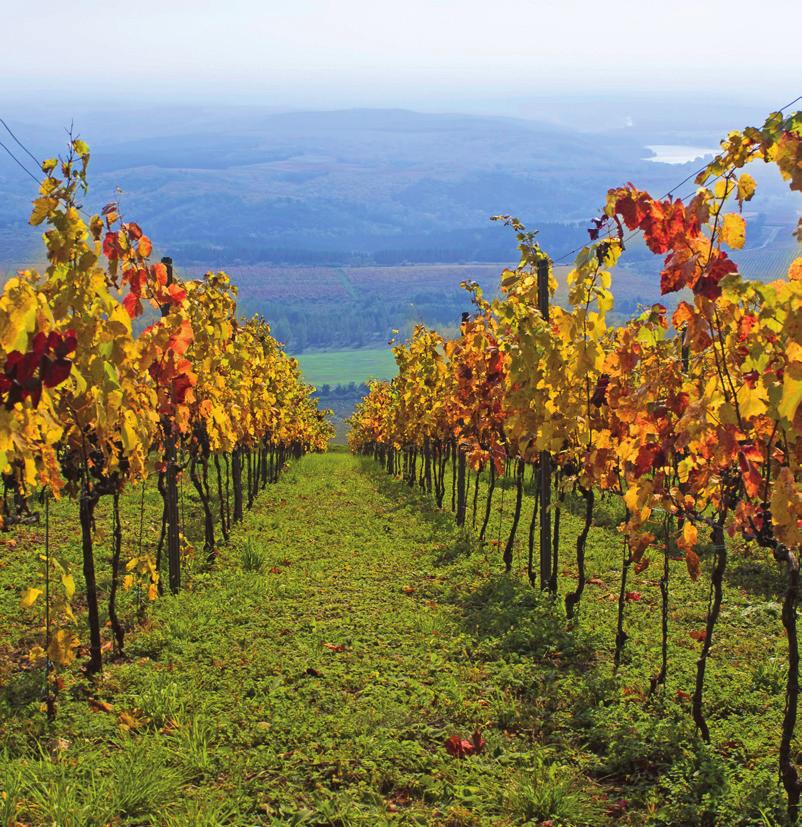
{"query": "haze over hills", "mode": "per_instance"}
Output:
(293, 204)
(348, 186)
(337, 187)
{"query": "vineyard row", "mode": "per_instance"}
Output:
(114, 370)
(693, 419)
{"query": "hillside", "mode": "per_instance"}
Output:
(343, 225)
(223, 187)
(334, 187)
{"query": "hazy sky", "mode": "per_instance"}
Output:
(450, 53)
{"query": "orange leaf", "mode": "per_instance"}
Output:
(132, 305)
(751, 475)
(128, 721)
(692, 561)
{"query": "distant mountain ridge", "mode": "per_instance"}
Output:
(335, 223)
(347, 184)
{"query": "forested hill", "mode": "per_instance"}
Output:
(340, 226)
(228, 186)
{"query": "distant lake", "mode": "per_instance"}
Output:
(678, 153)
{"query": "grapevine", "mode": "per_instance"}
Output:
(693, 418)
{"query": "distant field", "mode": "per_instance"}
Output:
(340, 367)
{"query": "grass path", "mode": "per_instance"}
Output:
(317, 690)
(313, 676)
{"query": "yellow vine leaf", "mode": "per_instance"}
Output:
(752, 401)
(29, 597)
(746, 187)
(786, 508)
(733, 230)
(62, 647)
(42, 207)
(68, 582)
(792, 391)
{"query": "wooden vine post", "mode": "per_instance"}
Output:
(544, 474)
(171, 479)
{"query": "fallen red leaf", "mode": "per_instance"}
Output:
(461, 747)
(478, 742)
(699, 635)
(633, 596)
(454, 746)
(633, 693)
(335, 647)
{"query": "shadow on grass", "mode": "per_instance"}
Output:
(462, 548)
(23, 688)
(514, 618)
(757, 576)
(504, 610)
(403, 496)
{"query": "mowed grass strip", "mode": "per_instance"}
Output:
(314, 675)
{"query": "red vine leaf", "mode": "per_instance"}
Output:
(461, 747)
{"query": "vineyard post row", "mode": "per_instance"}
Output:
(544, 472)
(87, 402)
(699, 431)
(171, 477)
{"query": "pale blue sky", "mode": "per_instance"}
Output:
(418, 53)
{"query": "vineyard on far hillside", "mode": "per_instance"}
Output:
(116, 371)
(691, 419)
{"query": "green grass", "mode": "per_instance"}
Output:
(341, 367)
(313, 676)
